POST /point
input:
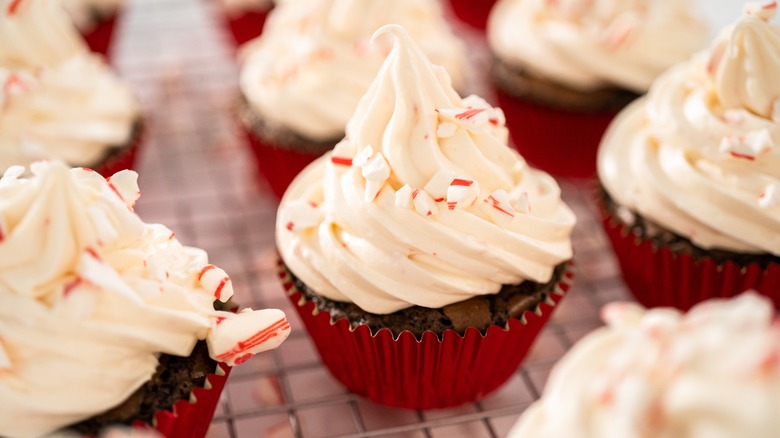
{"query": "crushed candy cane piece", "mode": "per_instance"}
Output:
(462, 193)
(438, 184)
(363, 156)
(376, 171)
(469, 118)
(424, 203)
(520, 202)
(762, 11)
(403, 197)
(501, 210)
(446, 130)
(342, 154)
(300, 215)
(771, 196)
(125, 184)
(237, 338)
(216, 281)
(747, 146)
(618, 31)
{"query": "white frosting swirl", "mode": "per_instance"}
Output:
(57, 100)
(91, 295)
(590, 44)
(701, 154)
(434, 208)
(712, 373)
(83, 12)
(313, 62)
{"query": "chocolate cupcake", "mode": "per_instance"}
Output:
(691, 182)
(302, 79)
(423, 250)
(106, 319)
(562, 70)
(58, 100)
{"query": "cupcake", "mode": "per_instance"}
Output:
(302, 79)
(58, 100)
(423, 250)
(106, 319)
(96, 20)
(472, 12)
(244, 18)
(563, 69)
(713, 372)
(690, 174)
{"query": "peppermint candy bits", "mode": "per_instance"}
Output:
(747, 146)
(301, 215)
(214, 279)
(235, 338)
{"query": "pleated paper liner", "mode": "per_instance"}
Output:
(472, 12)
(429, 373)
(99, 38)
(659, 278)
(560, 142)
(191, 418)
(245, 26)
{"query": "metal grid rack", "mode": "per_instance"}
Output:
(196, 176)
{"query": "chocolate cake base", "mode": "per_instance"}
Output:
(174, 380)
(118, 156)
(276, 135)
(645, 229)
(521, 83)
(478, 312)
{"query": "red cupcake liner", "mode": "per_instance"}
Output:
(430, 373)
(122, 160)
(659, 278)
(560, 142)
(472, 12)
(191, 418)
(100, 36)
(277, 165)
(246, 26)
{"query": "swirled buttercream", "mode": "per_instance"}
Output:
(587, 45)
(313, 62)
(91, 295)
(57, 100)
(701, 154)
(714, 372)
(423, 203)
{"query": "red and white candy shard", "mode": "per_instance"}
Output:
(299, 215)
(462, 193)
(215, 281)
(747, 146)
(469, 118)
(424, 204)
(771, 196)
(403, 197)
(342, 154)
(762, 11)
(125, 184)
(5, 361)
(619, 31)
(500, 210)
(375, 171)
(438, 184)
(363, 156)
(240, 336)
(520, 202)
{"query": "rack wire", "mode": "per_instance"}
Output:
(197, 177)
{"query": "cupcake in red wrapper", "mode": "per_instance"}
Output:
(713, 372)
(96, 20)
(107, 320)
(59, 100)
(690, 180)
(562, 70)
(422, 247)
(244, 19)
(302, 79)
(472, 12)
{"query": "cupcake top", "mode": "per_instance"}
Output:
(91, 295)
(58, 100)
(592, 44)
(87, 13)
(423, 203)
(312, 64)
(714, 372)
(700, 155)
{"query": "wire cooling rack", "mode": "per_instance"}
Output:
(197, 178)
